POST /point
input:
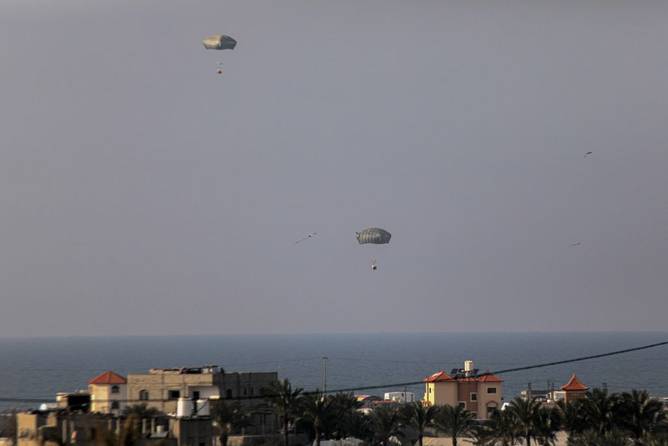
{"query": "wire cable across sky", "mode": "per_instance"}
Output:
(390, 385)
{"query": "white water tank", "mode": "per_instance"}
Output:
(184, 407)
(468, 365)
(202, 408)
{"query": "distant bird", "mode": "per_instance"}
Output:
(576, 244)
(308, 236)
(587, 154)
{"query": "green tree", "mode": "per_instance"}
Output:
(525, 413)
(130, 431)
(419, 417)
(592, 437)
(385, 423)
(639, 414)
(285, 400)
(347, 420)
(601, 410)
(229, 417)
(548, 423)
(572, 417)
(454, 421)
(317, 410)
(483, 435)
(503, 428)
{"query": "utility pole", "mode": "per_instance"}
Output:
(324, 374)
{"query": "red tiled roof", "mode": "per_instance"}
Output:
(438, 377)
(490, 379)
(574, 385)
(108, 378)
(442, 377)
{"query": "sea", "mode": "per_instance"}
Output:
(37, 368)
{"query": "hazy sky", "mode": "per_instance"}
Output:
(141, 193)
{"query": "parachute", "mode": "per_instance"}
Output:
(219, 42)
(376, 236)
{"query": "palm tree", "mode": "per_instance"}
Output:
(639, 414)
(548, 423)
(360, 425)
(229, 416)
(317, 410)
(419, 417)
(130, 431)
(385, 423)
(572, 417)
(503, 428)
(346, 418)
(483, 435)
(594, 438)
(525, 413)
(601, 410)
(285, 400)
(454, 421)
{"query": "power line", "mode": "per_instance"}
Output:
(390, 385)
(514, 369)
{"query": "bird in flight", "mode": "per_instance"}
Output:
(576, 244)
(308, 236)
(587, 154)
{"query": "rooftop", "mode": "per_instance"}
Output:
(108, 377)
(574, 385)
(203, 370)
(443, 377)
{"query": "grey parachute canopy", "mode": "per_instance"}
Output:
(219, 42)
(376, 236)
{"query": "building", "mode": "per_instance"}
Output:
(480, 394)
(75, 401)
(108, 393)
(59, 427)
(196, 431)
(162, 388)
(571, 391)
(400, 397)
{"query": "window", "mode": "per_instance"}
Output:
(228, 393)
(143, 395)
(491, 390)
(174, 394)
(474, 396)
(462, 404)
(196, 395)
(115, 389)
(114, 405)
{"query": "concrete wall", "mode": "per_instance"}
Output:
(192, 431)
(159, 385)
(441, 393)
(102, 398)
(486, 399)
(465, 389)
